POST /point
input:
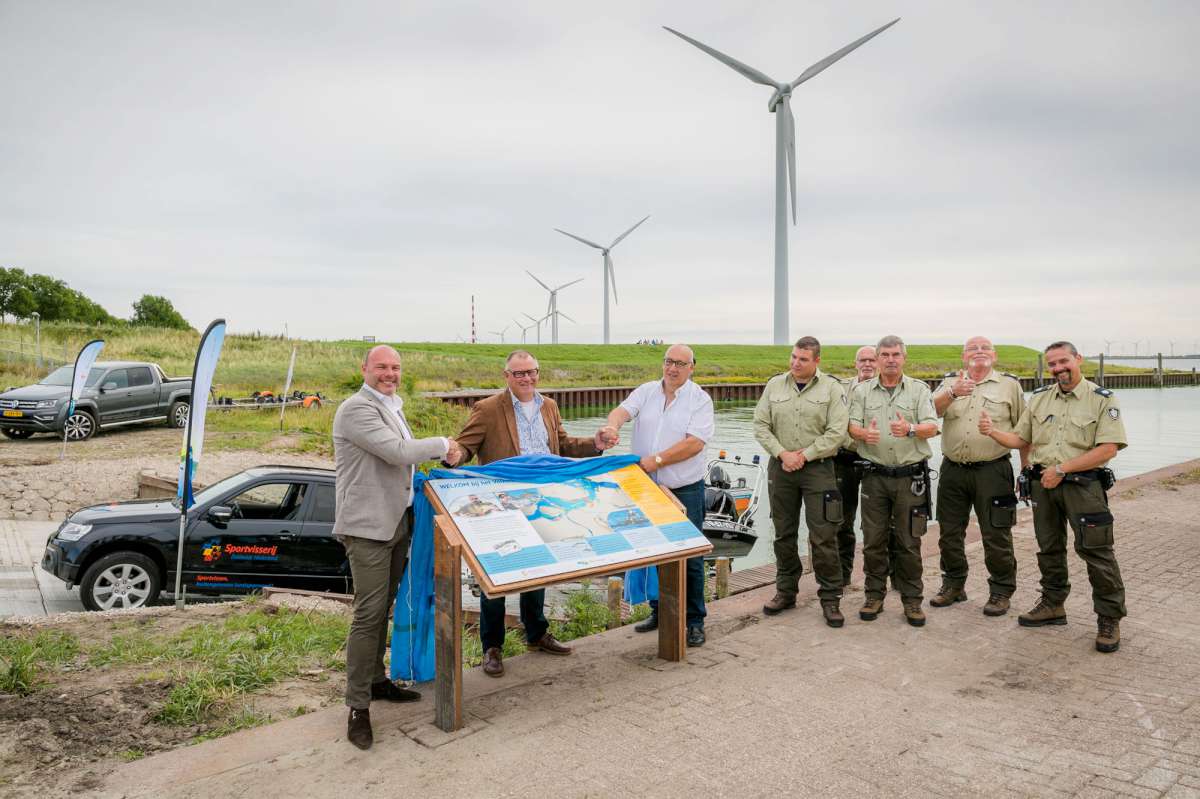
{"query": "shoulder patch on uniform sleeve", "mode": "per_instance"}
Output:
(1046, 387)
(1114, 413)
(1104, 392)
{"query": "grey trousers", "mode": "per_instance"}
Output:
(376, 567)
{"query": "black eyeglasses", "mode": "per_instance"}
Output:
(675, 363)
(522, 373)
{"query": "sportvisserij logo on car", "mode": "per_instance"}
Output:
(212, 550)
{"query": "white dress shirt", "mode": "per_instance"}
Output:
(397, 405)
(658, 426)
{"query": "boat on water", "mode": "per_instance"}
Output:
(732, 490)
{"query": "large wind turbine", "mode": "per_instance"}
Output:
(785, 155)
(608, 266)
(552, 307)
(538, 323)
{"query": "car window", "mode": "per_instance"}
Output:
(140, 376)
(323, 503)
(118, 376)
(269, 501)
(63, 375)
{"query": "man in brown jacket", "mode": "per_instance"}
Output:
(519, 421)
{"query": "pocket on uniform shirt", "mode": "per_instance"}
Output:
(1002, 511)
(1081, 432)
(1095, 530)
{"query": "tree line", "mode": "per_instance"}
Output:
(23, 294)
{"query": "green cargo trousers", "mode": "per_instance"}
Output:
(988, 489)
(890, 511)
(814, 488)
(1085, 508)
(847, 483)
(376, 567)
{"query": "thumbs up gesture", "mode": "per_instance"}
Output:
(985, 423)
(873, 432)
(963, 386)
(899, 426)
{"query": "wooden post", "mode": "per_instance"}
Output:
(1160, 371)
(447, 589)
(722, 578)
(615, 587)
(1039, 370)
(1100, 372)
(672, 610)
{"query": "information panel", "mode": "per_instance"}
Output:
(528, 531)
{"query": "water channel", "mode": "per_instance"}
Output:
(1163, 426)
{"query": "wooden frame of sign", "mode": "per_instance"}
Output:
(450, 549)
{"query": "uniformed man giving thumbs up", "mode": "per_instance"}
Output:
(895, 484)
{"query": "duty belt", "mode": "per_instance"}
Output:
(975, 464)
(908, 470)
(1091, 474)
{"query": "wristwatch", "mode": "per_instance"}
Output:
(658, 460)
(1058, 469)
(912, 430)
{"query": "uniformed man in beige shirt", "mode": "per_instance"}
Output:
(976, 473)
(892, 419)
(1075, 428)
(844, 469)
(800, 420)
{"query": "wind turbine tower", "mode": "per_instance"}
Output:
(785, 155)
(552, 311)
(608, 266)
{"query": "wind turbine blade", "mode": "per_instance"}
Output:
(572, 283)
(745, 69)
(560, 313)
(530, 318)
(580, 238)
(829, 60)
(790, 121)
(540, 283)
(612, 276)
(617, 240)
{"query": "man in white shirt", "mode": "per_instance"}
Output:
(374, 454)
(673, 421)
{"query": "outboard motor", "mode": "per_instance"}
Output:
(718, 477)
(718, 503)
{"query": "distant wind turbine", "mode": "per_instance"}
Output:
(552, 311)
(500, 333)
(785, 154)
(1107, 347)
(538, 323)
(524, 329)
(608, 266)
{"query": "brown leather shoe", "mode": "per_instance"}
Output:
(871, 608)
(913, 613)
(947, 595)
(493, 663)
(358, 729)
(779, 603)
(833, 614)
(1108, 634)
(389, 691)
(548, 645)
(1043, 613)
(997, 605)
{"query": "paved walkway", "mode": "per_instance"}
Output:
(966, 706)
(26, 590)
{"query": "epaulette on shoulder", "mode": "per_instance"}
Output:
(950, 374)
(1046, 387)
(1104, 392)
(1010, 374)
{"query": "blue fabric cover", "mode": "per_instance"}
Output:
(412, 632)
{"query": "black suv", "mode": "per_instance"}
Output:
(266, 526)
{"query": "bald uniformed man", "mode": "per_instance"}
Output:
(892, 419)
(1075, 428)
(844, 470)
(976, 472)
(800, 420)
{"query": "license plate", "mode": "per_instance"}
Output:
(14, 414)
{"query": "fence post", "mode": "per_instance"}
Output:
(722, 578)
(1100, 372)
(1039, 370)
(614, 602)
(1160, 371)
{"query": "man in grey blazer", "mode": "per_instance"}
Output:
(374, 452)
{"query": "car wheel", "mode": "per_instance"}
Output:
(80, 426)
(15, 433)
(120, 580)
(178, 415)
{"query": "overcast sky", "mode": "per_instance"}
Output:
(1024, 170)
